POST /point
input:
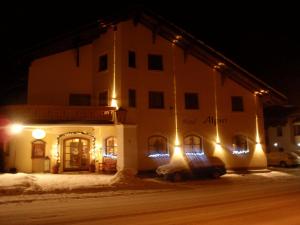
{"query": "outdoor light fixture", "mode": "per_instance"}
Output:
(177, 38)
(16, 128)
(38, 134)
(219, 65)
(276, 144)
(261, 92)
(298, 144)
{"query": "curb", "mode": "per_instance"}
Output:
(248, 171)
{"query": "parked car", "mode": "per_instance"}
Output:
(201, 167)
(283, 159)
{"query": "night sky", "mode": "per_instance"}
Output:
(264, 39)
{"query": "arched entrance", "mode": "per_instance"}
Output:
(76, 154)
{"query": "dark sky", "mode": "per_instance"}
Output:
(262, 38)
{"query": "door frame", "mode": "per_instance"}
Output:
(64, 151)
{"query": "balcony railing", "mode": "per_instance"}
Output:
(58, 114)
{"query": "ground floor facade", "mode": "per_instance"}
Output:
(99, 140)
(108, 148)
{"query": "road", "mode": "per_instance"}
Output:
(251, 199)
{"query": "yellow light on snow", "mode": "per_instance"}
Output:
(38, 134)
(16, 128)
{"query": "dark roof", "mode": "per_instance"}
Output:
(160, 26)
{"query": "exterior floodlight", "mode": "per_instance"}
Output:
(16, 128)
(276, 144)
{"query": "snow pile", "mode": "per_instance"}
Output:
(127, 176)
(17, 183)
(39, 183)
(22, 183)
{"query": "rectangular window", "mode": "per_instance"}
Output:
(237, 104)
(155, 62)
(38, 149)
(191, 101)
(156, 100)
(131, 59)
(103, 98)
(279, 131)
(296, 130)
(131, 98)
(80, 99)
(103, 63)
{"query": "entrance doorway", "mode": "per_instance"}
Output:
(76, 152)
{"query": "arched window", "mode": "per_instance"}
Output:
(192, 144)
(240, 144)
(111, 146)
(157, 145)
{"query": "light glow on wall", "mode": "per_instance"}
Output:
(258, 146)
(257, 138)
(114, 102)
(16, 128)
(38, 133)
(177, 156)
(98, 150)
(218, 147)
(55, 153)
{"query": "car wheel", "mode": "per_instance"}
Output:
(177, 177)
(283, 164)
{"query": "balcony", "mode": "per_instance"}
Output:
(58, 114)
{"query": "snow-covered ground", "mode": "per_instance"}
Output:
(22, 183)
(262, 198)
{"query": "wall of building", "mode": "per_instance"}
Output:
(287, 142)
(53, 78)
(20, 145)
(194, 76)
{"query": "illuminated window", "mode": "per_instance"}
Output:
(131, 98)
(103, 98)
(103, 63)
(80, 99)
(111, 146)
(157, 145)
(38, 149)
(240, 143)
(156, 100)
(192, 144)
(237, 104)
(131, 59)
(191, 101)
(279, 131)
(155, 62)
